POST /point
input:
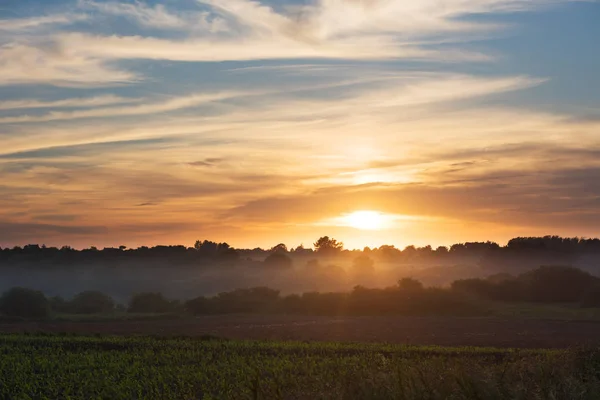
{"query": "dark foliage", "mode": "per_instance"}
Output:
(518, 255)
(152, 303)
(278, 260)
(550, 284)
(59, 304)
(22, 302)
(410, 284)
(91, 302)
(411, 299)
(328, 246)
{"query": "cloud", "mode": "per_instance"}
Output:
(15, 25)
(148, 108)
(289, 144)
(83, 149)
(26, 64)
(12, 232)
(80, 102)
(243, 30)
(560, 198)
(401, 91)
(156, 17)
(445, 87)
(207, 162)
(273, 180)
(251, 48)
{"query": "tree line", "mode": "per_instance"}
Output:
(550, 284)
(206, 251)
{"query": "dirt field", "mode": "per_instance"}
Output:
(441, 331)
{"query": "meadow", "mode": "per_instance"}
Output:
(43, 366)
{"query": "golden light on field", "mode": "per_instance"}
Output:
(366, 220)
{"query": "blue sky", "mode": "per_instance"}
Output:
(259, 122)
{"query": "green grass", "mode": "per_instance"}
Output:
(79, 367)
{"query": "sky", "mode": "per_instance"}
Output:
(258, 122)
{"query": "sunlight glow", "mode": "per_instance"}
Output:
(366, 220)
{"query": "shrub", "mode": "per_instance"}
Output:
(92, 302)
(509, 290)
(22, 302)
(278, 260)
(198, 306)
(246, 300)
(410, 284)
(59, 304)
(557, 284)
(151, 303)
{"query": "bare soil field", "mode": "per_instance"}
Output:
(442, 331)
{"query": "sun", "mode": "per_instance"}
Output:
(365, 220)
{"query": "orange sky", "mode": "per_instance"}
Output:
(236, 120)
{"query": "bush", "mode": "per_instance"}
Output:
(199, 306)
(151, 303)
(22, 302)
(410, 284)
(557, 284)
(59, 304)
(250, 300)
(91, 302)
(278, 260)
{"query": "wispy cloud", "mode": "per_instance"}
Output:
(400, 92)
(158, 16)
(253, 48)
(324, 29)
(15, 25)
(148, 108)
(27, 64)
(80, 102)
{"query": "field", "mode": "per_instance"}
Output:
(78, 367)
(443, 331)
(292, 357)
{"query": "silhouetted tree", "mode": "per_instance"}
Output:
(557, 284)
(278, 260)
(441, 251)
(409, 284)
(409, 252)
(363, 264)
(328, 246)
(91, 302)
(22, 302)
(246, 300)
(59, 304)
(150, 303)
(279, 248)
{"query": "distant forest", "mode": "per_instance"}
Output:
(532, 250)
(559, 285)
(209, 268)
